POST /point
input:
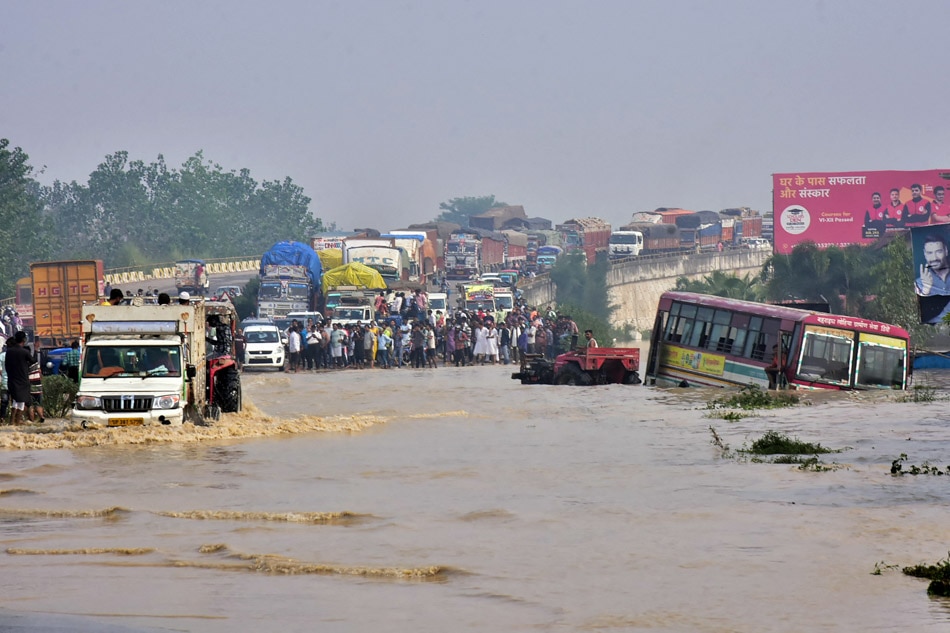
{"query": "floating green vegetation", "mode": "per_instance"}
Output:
(938, 575)
(754, 397)
(729, 416)
(784, 449)
(897, 468)
(881, 567)
(774, 443)
(920, 393)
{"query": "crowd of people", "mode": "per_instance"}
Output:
(405, 332)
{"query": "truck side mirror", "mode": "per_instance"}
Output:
(191, 371)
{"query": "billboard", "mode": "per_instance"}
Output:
(855, 207)
(932, 270)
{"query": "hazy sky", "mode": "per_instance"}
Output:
(382, 110)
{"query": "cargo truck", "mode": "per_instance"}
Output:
(60, 289)
(191, 276)
(157, 364)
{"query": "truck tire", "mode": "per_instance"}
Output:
(572, 375)
(227, 391)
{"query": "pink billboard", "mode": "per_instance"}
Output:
(855, 207)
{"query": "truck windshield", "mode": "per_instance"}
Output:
(298, 291)
(349, 313)
(269, 291)
(132, 360)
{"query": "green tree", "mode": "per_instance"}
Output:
(24, 231)
(459, 210)
(843, 278)
(570, 275)
(132, 213)
(895, 300)
(721, 284)
(582, 293)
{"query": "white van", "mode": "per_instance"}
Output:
(263, 347)
(438, 301)
(302, 317)
(756, 244)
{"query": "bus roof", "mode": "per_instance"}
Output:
(783, 312)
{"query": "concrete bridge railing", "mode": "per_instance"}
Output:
(634, 285)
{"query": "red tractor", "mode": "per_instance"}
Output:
(585, 366)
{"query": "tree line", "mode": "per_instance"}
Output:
(133, 213)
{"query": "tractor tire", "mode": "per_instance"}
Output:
(572, 375)
(632, 378)
(227, 391)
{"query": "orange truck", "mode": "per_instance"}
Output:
(60, 289)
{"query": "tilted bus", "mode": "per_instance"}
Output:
(702, 340)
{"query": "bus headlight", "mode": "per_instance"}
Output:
(166, 402)
(88, 402)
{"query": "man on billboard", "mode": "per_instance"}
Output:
(917, 210)
(935, 269)
(874, 220)
(940, 210)
(894, 213)
(932, 264)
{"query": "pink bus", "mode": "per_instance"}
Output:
(702, 340)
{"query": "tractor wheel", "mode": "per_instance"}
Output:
(572, 375)
(227, 391)
(632, 378)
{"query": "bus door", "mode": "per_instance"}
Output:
(656, 339)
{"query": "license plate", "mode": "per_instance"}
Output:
(126, 421)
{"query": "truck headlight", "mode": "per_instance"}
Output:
(88, 402)
(166, 402)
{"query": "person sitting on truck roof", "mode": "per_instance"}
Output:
(184, 298)
(115, 297)
(164, 299)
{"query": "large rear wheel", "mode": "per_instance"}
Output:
(227, 390)
(572, 375)
(632, 378)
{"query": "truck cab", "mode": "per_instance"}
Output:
(157, 364)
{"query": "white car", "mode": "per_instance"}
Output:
(231, 291)
(756, 244)
(263, 347)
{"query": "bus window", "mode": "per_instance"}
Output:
(881, 363)
(826, 355)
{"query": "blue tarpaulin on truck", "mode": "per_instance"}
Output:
(294, 254)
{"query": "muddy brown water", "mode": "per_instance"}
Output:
(459, 499)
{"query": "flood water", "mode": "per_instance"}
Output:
(459, 499)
